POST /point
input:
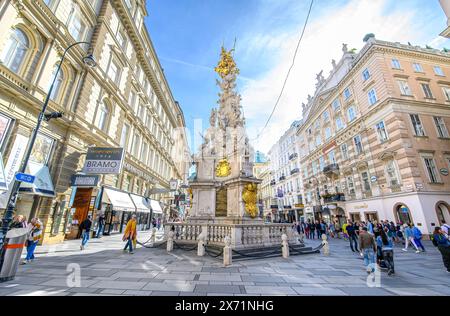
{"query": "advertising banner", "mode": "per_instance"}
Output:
(103, 161)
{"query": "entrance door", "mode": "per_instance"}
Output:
(372, 216)
(355, 217)
(221, 202)
(403, 215)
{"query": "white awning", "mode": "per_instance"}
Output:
(156, 207)
(120, 200)
(141, 203)
(42, 184)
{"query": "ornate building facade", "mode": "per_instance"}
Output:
(375, 137)
(125, 101)
(446, 7)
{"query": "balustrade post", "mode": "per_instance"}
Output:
(201, 243)
(227, 252)
(285, 246)
(170, 235)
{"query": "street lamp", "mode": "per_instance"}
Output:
(90, 62)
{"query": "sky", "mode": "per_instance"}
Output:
(188, 35)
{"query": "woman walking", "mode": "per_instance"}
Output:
(34, 235)
(387, 249)
(307, 229)
(441, 241)
(409, 238)
(130, 234)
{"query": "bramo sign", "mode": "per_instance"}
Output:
(103, 161)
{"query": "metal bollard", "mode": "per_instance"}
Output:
(285, 246)
(15, 242)
(227, 252)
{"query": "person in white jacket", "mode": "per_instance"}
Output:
(34, 235)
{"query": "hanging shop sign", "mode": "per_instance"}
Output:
(444, 171)
(84, 181)
(103, 161)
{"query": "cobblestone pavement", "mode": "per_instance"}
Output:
(104, 269)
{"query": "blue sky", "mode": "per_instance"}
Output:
(188, 34)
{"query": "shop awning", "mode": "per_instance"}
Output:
(42, 184)
(120, 201)
(156, 207)
(141, 203)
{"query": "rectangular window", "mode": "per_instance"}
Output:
(347, 93)
(344, 151)
(351, 113)
(417, 125)
(417, 67)
(331, 157)
(440, 126)
(430, 166)
(358, 144)
(314, 167)
(76, 26)
(391, 173)
(438, 71)
(336, 105)
(339, 124)
(114, 72)
(446, 91)
(366, 74)
(427, 90)
(365, 181)
(5, 124)
(381, 131)
(318, 140)
(372, 97)
(326, 115)
(350, 185)
(144, 153)
(396, 64)
(322, 163)
(124, 135)
(404, 87)
(136, 145)
(327, 133)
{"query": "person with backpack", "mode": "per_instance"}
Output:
(440, 240)
(34, 235)
(387, 249)
(417, 234)
(85, 227)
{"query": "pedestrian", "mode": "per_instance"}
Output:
(344, 231)
(387, 249)
(445, 229)
(370, 227)
(440, 240)
(417, 237)
(158, 224)
(318, 230)
(409, 238)
(18, 222)
(308, 229)
(351, 231)
(331, 229)
(33, 237)
(379, 248)
(368, 248)
(338, 229)
(85, 227)
(101, 225)
(130, 234)
(312, 229)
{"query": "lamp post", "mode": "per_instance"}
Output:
(90, 62)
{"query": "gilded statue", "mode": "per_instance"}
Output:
(223, 168)
(250, 196)
(226, 65)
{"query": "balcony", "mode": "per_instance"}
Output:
(294, 171)
(333, 198)
(332, 170)
(282, 178)
(273, 182)
(293, 156)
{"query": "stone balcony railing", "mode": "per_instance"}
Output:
(242, 235)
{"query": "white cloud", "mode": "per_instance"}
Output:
(322, 43)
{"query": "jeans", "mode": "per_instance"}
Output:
(410, 239)
(129, 244)
(30, 250)
(319, 234)
(445, 252)
(388, 256)
(419, 243)
(353, 240)
(85, 239)
(99, 231)
(312, 234)
(369, 257)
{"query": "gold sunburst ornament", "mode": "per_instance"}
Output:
(223, 168)
(249, 195)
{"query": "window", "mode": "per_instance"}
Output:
(440, 126)
(336, 105)
(114, 71)
(427, 91)
(350, 185)
(417, 67)
(103, 113)
(446, 91)
(396, 64)
(144, 153)
(136, 145)
(344, 151)
(372, 97)
(417, 125)
(391, 174)
(132, 100)
(365, 181)
(430, 166)
(438, 71)
(366, 74)
(124, 135)
(331, 157)
(326, 115)
(351, 113)
(358, 144)
(76, 26)
(42, 149)
(122, 40)
(404, 88)
(322, 163)
(129, 4)
(339, 124)
(57, 85)
(327, 133)
(347, 93)
(314, 167)
(381, 131)
(318, 140)
(14, 52)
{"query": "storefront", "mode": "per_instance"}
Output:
(322, 213)
(142, 212)
(117, 206)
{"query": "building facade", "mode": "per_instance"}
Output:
(125, 101)
(375, 137)
(446, 7)
(287, 184)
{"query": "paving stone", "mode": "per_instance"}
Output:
(230, 278)
(137, 293)
(363, 291)
(119, 285)
(318, 291)
(172, 287)
(266, 290)
(230, 289)
(112, 291)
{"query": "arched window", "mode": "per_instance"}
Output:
(15, 50)
(58, 84)
(403, 214)
(103, 116)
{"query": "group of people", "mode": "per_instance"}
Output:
(34, 233)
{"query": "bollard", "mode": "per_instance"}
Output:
(227, 252)
(153, 235)
(285, 246)
(201, 244)
(170, 241)
(326, 246)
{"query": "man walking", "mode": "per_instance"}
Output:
(101, 225)
(417, 234)
(368, 247)
(85, 227)
(409, 238)
(351, 231)
(440, 240)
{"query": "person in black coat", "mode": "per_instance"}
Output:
(85, 227)
(312, 229)
(352, 236)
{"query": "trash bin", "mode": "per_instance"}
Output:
(15, 242)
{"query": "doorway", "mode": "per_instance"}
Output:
(443, 213)
(402, 214)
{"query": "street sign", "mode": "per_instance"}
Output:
(23, 177)
(103, 160)
(84, 181)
